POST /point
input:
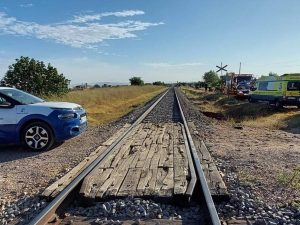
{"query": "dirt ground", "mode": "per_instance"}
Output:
(265, 160)
(25, 174)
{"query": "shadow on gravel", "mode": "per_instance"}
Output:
(11, 153)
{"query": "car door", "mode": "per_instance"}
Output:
(8, 126)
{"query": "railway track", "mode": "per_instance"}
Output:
(151, 174)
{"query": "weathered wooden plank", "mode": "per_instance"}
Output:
(142, 157)
(164, 182)
(112, 184)
(183, 150)
(158, 131)
(180, 181)
(95, 181)
(205, 153)
(136, 151)
(156, 158)
(218, 183)
(180, 166)
(141, 135)
(168, 183)
(150, 187)
(101, 190)
(130, 182)
(170, 149)
(147, 147)
(161, 134)
(100, 186)
(55, 188)
(113, 138)
(214, 180)
(145, 177)
(142, 148)
(108, 161)
(116, 154)
(150, 155)
(119, 177)
(151, 161)
(88, 182)
(123, 152)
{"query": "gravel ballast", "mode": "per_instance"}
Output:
(117, 210)
(25, 174)
(166, 110)
(250, 160)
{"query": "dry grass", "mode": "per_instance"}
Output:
(233, 110)
(247, 179)
(290, 178)
(104, 105)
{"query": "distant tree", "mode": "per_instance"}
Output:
(158, 83)
(181, 84)
(35, 77)
(273, 74)
(97, 86)
(104, 85)
(199, 84)
(136, 81)
(211, 78)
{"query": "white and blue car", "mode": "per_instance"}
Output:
(36, 124)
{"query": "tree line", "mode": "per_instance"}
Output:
(41, 79)
(35, 77)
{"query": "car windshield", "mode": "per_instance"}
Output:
(293, 86)
(21, 96)
(243, 87)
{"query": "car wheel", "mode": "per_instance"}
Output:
(37, 136)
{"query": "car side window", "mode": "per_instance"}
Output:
(4, 102)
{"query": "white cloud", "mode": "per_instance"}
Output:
(169, 65)
(27, 5)
(95, 17)
(76, 34)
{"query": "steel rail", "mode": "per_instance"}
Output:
(209, 201)
(49, 211)
(193, 180)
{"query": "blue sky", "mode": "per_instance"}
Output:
(108, 40)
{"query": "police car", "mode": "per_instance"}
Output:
(28, 120)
